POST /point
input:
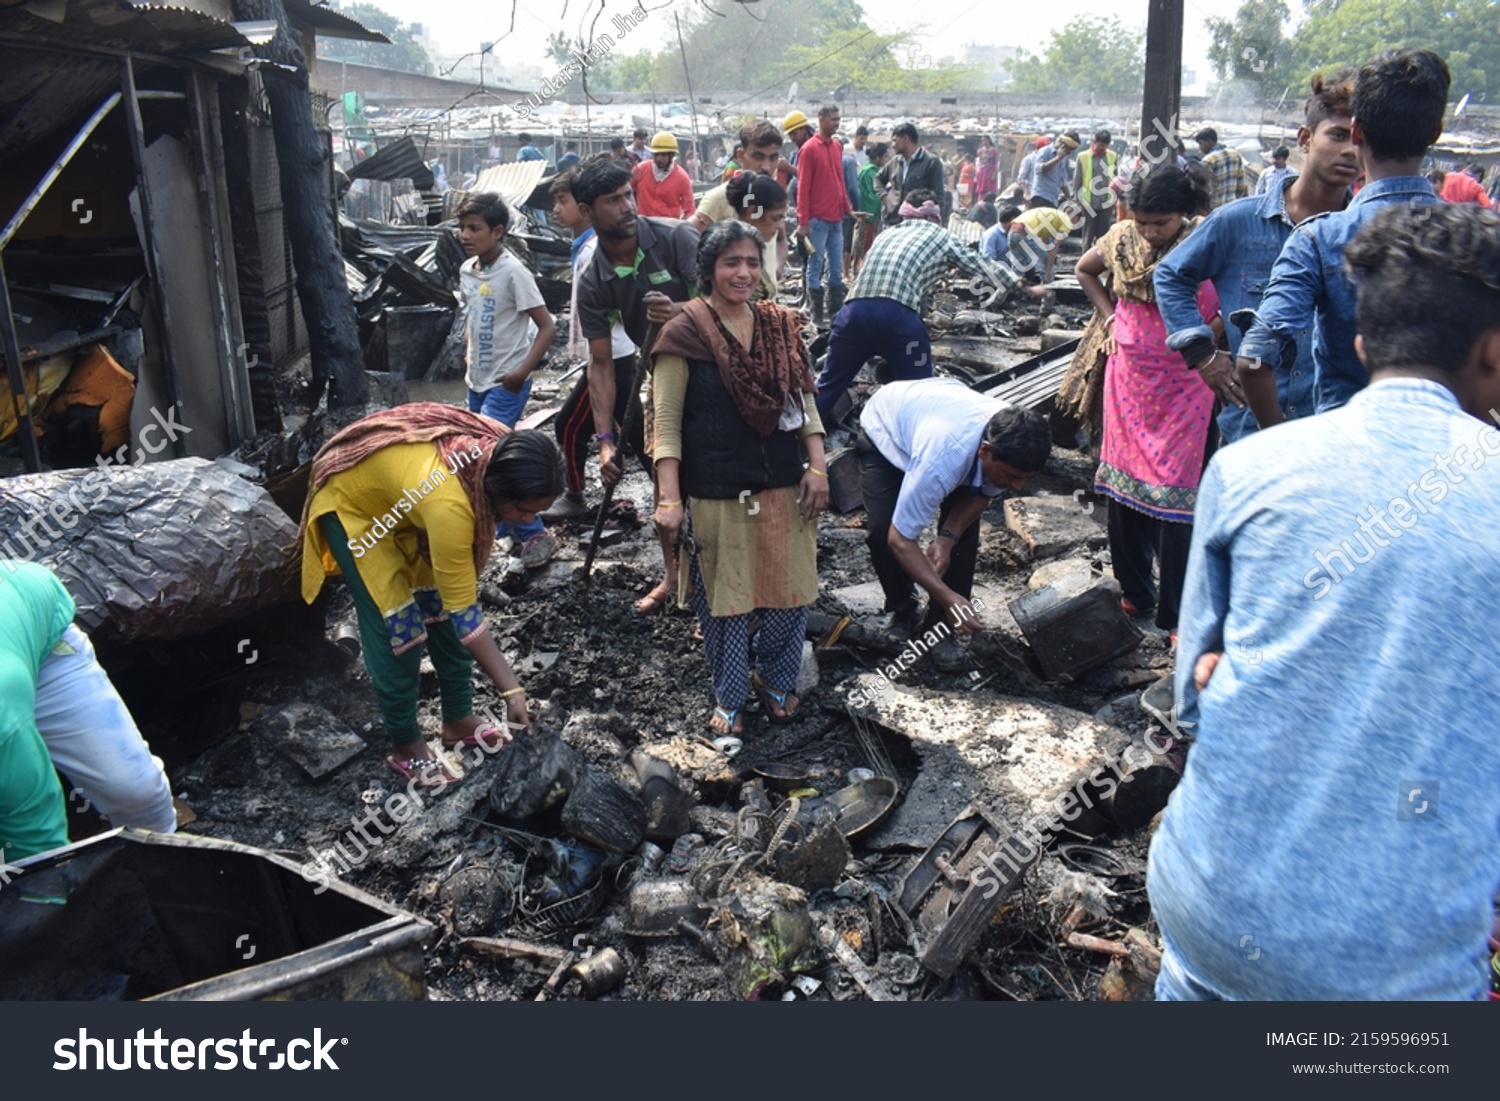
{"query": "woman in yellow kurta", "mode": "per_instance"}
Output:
(403, 504)
(734, 418)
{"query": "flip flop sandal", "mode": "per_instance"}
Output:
(426, 772)
(731, 716)
(768, 697)
(483, 737)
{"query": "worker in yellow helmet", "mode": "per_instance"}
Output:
(662, 188)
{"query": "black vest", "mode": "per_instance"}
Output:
(722, 456)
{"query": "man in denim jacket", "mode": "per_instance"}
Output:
(1236, 246)
(1399, 101)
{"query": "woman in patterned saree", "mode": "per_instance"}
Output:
(1157, 410)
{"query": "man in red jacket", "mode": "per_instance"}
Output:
(663, 189)
(822, 202)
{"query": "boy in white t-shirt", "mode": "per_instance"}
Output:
(507, 331)
(575, 424)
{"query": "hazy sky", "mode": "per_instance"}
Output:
(460, 25)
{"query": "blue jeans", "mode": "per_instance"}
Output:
(499, 404)
(828, 239)
(868, 327)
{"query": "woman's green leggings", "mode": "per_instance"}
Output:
(397, 677)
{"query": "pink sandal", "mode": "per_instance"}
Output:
(425, 772)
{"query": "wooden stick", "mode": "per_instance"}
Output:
(1097, 944)
(509, 948)
(622, 451)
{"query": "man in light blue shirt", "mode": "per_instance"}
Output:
(1052, 170)
(1336, 834)
(1273, 178)
(994, 243)
(1234, 249)
(1399, 101)
(935, 447)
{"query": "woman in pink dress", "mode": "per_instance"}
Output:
(986, 167)
(1157, 410)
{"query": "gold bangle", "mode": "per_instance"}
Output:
(509, 692)
(819, 473)
(668, 504)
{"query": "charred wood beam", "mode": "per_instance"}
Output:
(302, 157)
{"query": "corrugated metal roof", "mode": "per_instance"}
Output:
(515, 182)
(399, 160)
(332, 24)
(148, 28)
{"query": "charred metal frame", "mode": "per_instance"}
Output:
(208, 147)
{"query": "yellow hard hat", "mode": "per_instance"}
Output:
(663, 143)
(795, 121)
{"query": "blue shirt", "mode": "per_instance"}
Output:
(1344, 564)
(567, 161)
(1309, 278)
(578, 242)
(1234, 248)
(994, 243)
(1047, 183)
(929, 428)
(851, 180)
(529, 153)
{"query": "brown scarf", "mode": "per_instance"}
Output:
(455, 431)
(759, 381)
(1132, 261)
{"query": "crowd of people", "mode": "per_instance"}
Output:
(1274, 367)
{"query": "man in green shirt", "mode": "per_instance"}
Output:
(59, 712)
(35, 609)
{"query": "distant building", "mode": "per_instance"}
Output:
(994, 61)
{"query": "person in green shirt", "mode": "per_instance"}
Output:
(59, 713)
(35, 609)
(869, 201)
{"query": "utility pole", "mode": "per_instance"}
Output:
(1163, 92)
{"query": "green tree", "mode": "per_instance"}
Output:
(636, 72)
(1251, 46)
(1338, 33)
(1093, 54)
(404, 54)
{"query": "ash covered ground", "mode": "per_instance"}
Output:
(610, 682)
